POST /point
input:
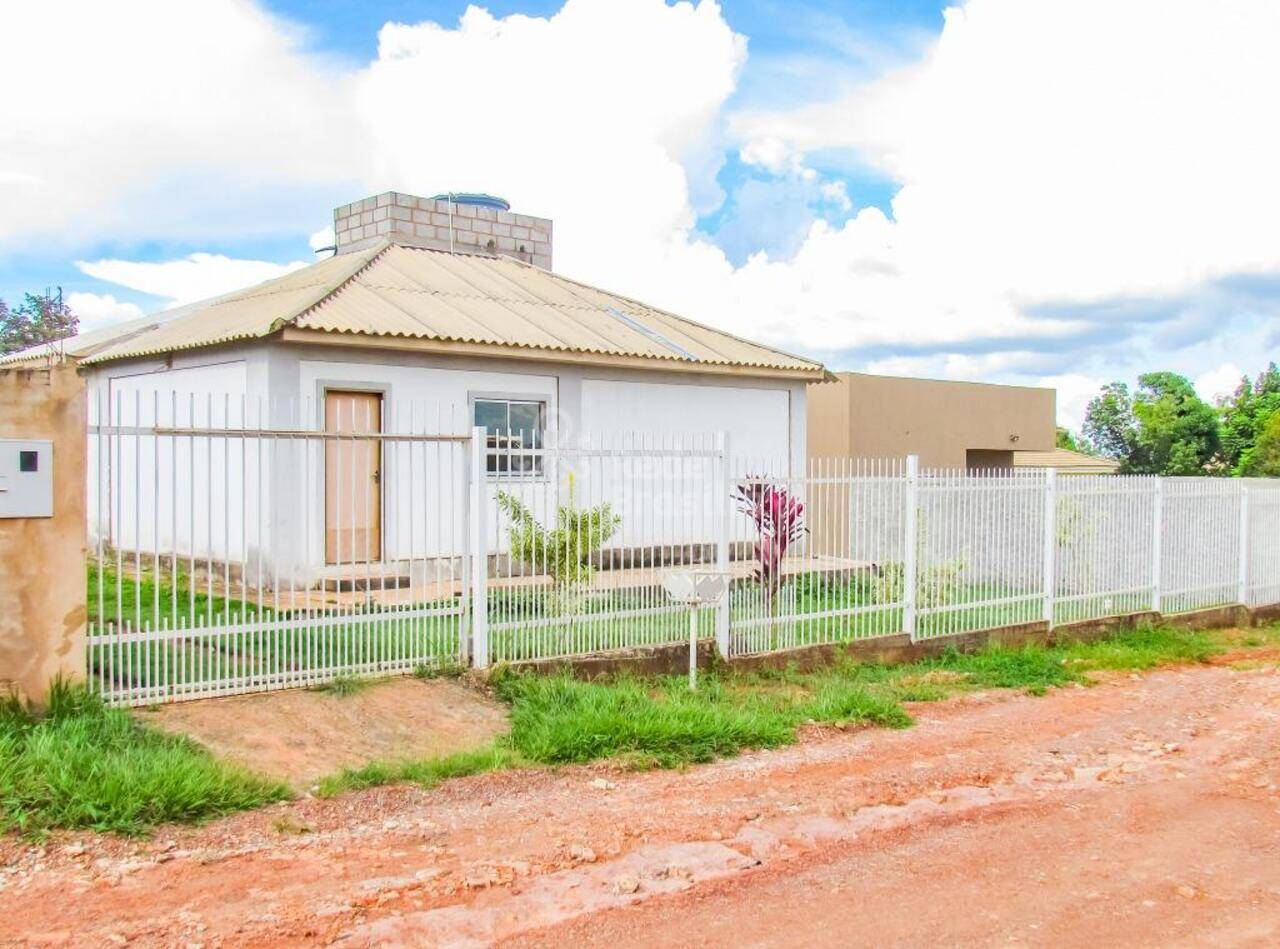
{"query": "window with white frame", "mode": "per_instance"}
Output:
(514, 429)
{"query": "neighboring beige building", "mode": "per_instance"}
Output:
(948, 424)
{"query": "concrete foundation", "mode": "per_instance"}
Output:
(897, 648)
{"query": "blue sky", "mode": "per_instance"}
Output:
(1004, 190)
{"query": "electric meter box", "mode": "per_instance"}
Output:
(26, 478)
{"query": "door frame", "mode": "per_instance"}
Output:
(382, 391)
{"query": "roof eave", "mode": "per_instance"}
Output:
(291, 334)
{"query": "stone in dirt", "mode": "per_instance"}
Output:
(626, 884)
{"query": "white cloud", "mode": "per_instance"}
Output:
(158, 119)
(1054, 157)
(96, 310)
(1074, 392)
(1055, 151)
(1220, 382)
(322, 238)
(191, 278)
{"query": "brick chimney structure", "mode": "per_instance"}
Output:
(461, 223)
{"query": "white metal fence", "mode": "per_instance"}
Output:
(242, 547)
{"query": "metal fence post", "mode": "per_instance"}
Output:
(910, 553)
(722, 475)
(1050, 542)
(479, 551)
(1157, 536)
(1243, 595)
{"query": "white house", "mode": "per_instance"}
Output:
(434, 314)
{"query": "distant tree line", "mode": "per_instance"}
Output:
(39, 318)
(1163, 427)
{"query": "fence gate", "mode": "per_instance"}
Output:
(242, 546)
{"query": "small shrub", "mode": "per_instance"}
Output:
(939, 585)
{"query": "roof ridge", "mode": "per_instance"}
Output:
(372, 253)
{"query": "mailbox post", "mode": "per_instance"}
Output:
(695, 588)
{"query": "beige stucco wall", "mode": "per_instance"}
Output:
(868, 416)
(43, 613)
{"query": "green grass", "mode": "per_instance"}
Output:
(659, 722)
(427, 772)
(83, 765)
(125, 599)
(653, 722)
(346, 685)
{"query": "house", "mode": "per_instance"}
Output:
(433, 314)
(450, 301)
(958, 425)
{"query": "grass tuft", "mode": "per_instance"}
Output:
(81, 764)
(346, 685)
(427, 772)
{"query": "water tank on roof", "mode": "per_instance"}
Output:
(478, 200)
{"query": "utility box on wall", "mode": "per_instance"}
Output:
(26, 478)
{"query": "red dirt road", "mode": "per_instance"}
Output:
(1143, 811)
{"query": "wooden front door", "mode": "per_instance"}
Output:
(352, 478)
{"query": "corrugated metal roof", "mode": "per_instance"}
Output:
(1063, 459)
(390, 290)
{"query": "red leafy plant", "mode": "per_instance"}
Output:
(778, 516)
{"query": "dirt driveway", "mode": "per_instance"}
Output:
(1143, 811)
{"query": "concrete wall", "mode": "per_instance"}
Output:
(43, 614)
(870, 416)
(442, 225)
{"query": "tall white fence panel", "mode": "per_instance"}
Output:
(1104, 538)
(1262, 541)
(818, 558)
(1200, 541)
(980, 542)
(235, 550)
(241, 546)
(580, 535)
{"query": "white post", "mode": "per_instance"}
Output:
(723, 520)
(910, 553)
(693, 645)
(1050, 542)
(479, 552)
(1243, 595)
(1157, 531)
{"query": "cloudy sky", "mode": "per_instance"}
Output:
(1055, 192)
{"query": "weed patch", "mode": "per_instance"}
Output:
(83, 765)
(427, 772)
(345, 685)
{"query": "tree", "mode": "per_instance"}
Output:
(1262, 459)
(1063, 438)
(1245, 415)
(1164, 428)
(41, 318)
(1110, 428)
(1177, 430)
